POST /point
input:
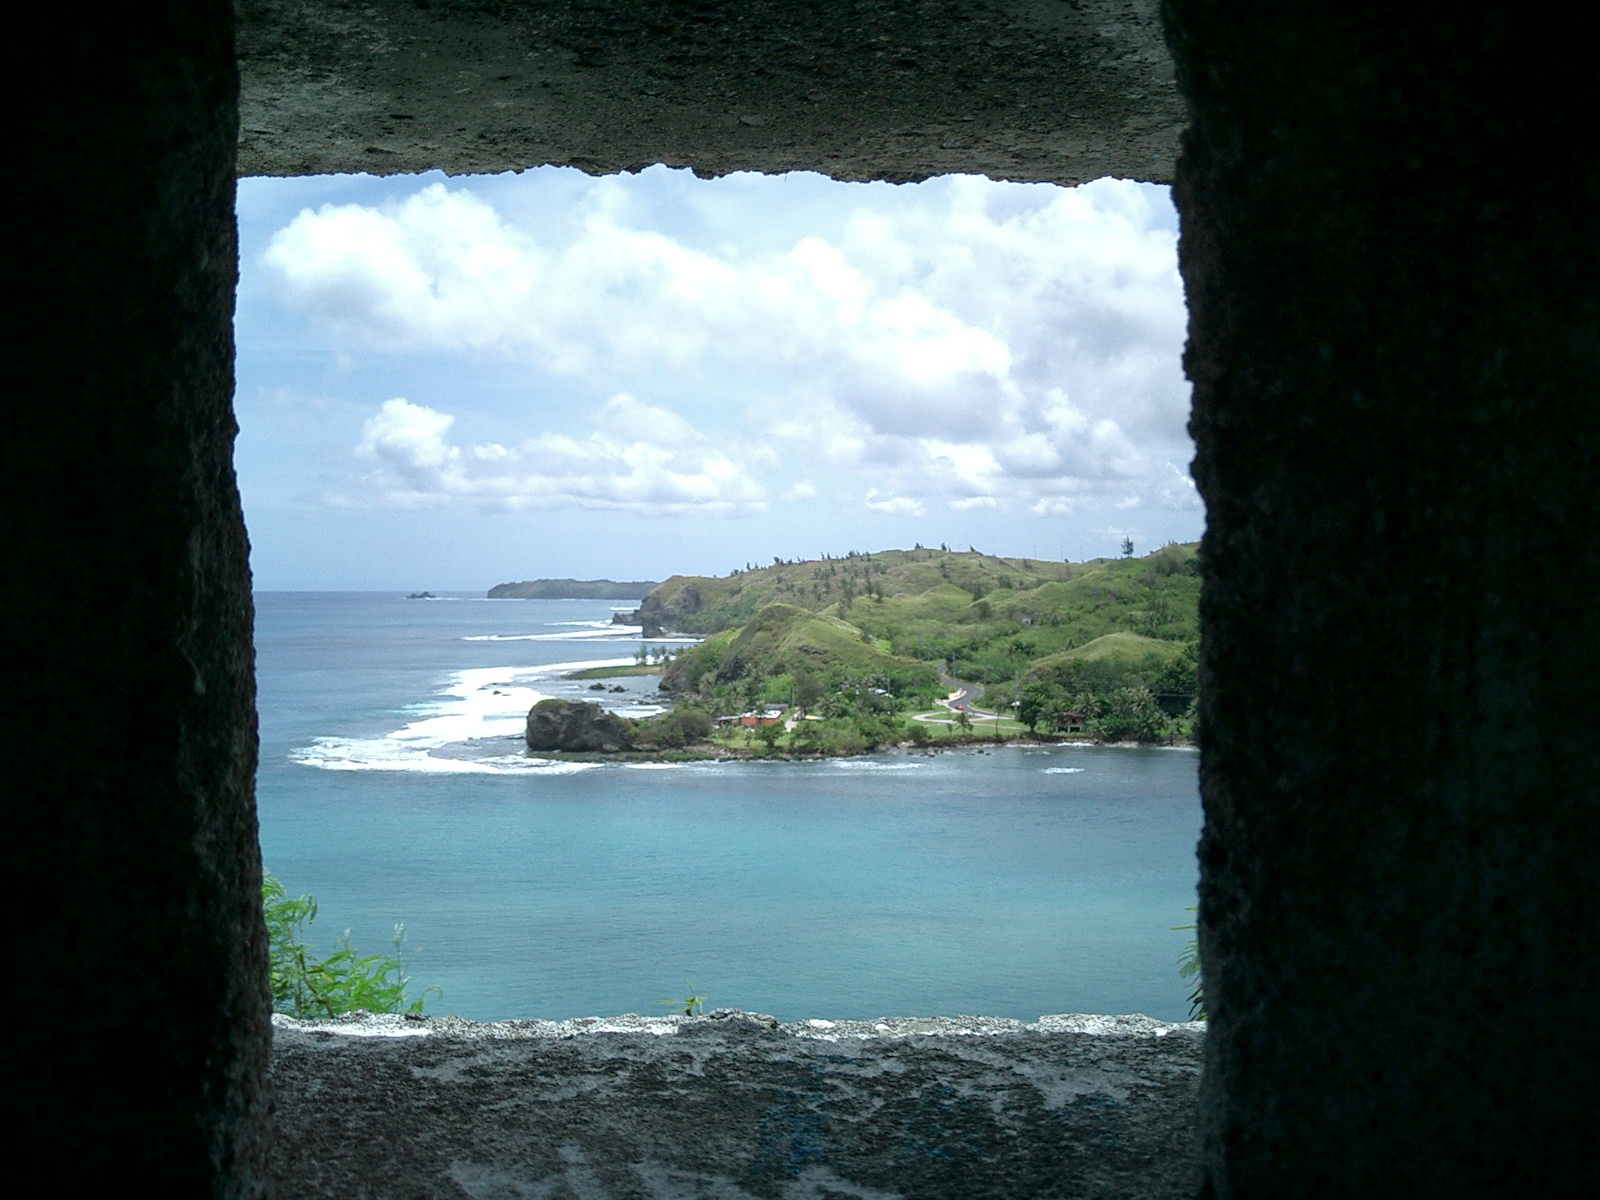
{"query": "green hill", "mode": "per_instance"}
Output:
(1105, 648)
(787, 654)
(990, 619)
(1124, 651)
(706, 604)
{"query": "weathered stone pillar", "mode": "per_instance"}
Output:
(134, 948)
(1393, 271)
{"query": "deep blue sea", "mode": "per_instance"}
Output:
(1012, 881)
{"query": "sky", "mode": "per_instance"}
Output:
(446, 383)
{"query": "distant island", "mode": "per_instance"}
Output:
(572, 589)
(841, 655)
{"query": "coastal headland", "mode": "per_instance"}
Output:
(571, 589)
(920, 647)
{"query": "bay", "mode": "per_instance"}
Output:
(1008, 881)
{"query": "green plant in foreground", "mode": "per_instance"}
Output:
(691, 1004)
(307, 987)
(1189, 968)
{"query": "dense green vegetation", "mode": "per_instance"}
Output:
(810, 662)
(1106, 648)
(787, 655)
(1119, 687)
(309, 987)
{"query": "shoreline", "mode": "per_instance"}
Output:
(710, 752)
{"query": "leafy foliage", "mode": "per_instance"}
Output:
(673, 730)
(1189, 968)
(692, 1004)
(1120, 687)
(308, 987)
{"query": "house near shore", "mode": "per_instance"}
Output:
(772, 714)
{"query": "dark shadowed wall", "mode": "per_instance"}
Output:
(1389, 246)
(137, 962)
(1392, 266)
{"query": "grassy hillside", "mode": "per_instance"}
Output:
(1118, 651)
(1107, 646)
(991, 619)
(788, 655)
(706, 604)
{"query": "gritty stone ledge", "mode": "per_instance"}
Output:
(734, 1105)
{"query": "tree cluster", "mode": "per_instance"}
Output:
(1145, 704)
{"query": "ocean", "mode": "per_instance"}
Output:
(1008, 881)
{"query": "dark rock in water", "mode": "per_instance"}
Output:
(576, 725)
(619, 688)
(597, 687)
(421, 596)
(650, 627)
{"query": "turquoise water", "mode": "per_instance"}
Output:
(1012, 881)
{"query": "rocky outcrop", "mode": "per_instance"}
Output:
(650, 626)
(576, 725)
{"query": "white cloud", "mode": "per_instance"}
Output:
(897, 506)
(640, 458)
(1175, 489)
(442, 267)
(997, 345)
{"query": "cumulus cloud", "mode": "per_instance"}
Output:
(639, 457)
(1004, 346)
(441, 267)
(899, 506)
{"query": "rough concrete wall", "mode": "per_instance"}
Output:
(1390, 253)
(736, 1107)
(135, 942)
(1060, 90)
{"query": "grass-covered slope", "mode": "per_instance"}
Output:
(991, 619)
(1105, 647)
(706, 604)
(788, 654)
(1118, 651)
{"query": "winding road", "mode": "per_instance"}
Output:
(961, 697)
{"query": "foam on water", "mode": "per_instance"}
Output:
(1063, 770)
(977, 883)
(475, 705)
(597, 631)
(385, 754)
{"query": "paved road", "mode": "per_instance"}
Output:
(962, 693)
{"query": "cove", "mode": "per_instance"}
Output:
(1011, 881)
